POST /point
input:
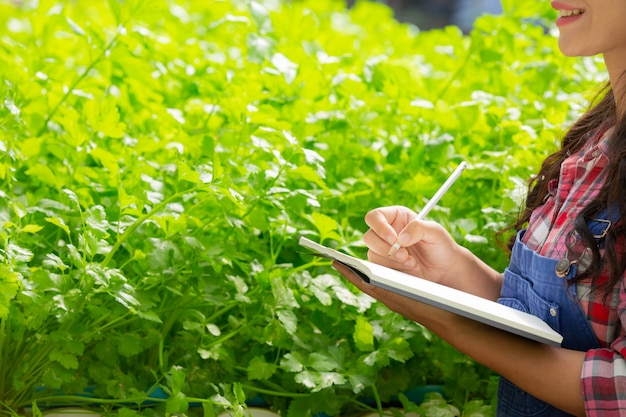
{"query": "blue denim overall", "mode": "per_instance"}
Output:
(531, 285)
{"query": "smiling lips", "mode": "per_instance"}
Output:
(566, 11)
(567, 14)
(570, 13)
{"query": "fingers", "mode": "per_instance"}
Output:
(382, 234)
(354, 278)
(415, 231)
(401, 260)
(393, 301)
(380, 222)
(378, 245)
(380, 294)
(423, 232)
(387, 221)
(422, 244)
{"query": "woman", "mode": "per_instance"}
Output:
(567, 262)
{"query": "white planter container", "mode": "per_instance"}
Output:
(79, 412)
(389, 413)
(252, 412)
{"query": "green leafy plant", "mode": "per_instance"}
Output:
(159, 160)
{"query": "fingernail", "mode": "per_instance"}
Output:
(401, 255)
(409, 263)
(404, 239)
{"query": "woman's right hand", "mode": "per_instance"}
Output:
(428, 251)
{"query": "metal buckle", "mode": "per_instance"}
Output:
(564, 265)
(606, 229)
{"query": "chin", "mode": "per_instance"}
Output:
(571, 54)
(573, 51)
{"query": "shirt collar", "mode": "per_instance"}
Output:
(598, 145)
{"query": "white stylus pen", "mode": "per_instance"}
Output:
(424, 212)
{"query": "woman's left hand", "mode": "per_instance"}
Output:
(430, 316)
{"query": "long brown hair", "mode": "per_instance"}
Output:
(611, 197)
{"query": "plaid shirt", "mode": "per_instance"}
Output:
(604, 369)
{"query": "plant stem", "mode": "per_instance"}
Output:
(221, 311)
(275, 393)
(379, 404)
(3, 338)
(80, 399)
(316, 262)
(77, 81)
(109, 324)
(460, 68)
(141, 220)
(11, 410)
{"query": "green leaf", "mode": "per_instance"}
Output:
(75, 27)
(150, 316)
(239, 392)
(218, 169)
(69, 119)
(323, 402)
(127, 412)
(477, 408)
(54, 261)
(185, 173)
(289, 320)
(398, 349)
(107, 159)
(177, 403)
(260, 48)
(18, 253)
(288, 69)
(321, 362)
(9, 286)
(59, 222)
(259, 369)
(359, 382)
(36, 410)
(52, 379)
(292, 362)
(283, 295)
(104, 117)
(176, 378)
(309, 174)
(42, 174)
(208, 410)
(307, 378)
(436, 406)
(130, 345)
(326, 225)
(363, 335)
(69, 361)
(260, 15)
(72, 196)
(32, 228)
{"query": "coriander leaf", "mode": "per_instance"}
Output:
(258, 368)
(363, 335)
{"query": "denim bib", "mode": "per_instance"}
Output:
(531, 285)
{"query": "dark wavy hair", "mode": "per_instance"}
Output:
(612, 196)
